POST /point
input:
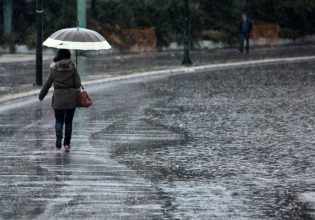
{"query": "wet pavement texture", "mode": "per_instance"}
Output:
(225, 144)
(20, 76)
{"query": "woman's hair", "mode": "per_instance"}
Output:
(62, 54)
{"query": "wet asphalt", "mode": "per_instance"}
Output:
(225, 144)
(20, 76)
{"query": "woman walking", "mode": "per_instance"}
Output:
(66, 81)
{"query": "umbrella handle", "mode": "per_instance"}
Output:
(76, 57)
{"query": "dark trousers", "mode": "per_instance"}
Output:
(64, 117)
(244, 38)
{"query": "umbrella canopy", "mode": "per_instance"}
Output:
(77, 39)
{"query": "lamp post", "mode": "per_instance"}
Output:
(186, 60)
(39, 42)
(7, 16)
(81, 13)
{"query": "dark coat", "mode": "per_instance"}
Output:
(65, 80)
(249, 26)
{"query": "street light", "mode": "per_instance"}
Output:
(39, 42)
(7, 16)
(186, 60)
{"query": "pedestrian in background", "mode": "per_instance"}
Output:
(66, 81)
(245, 28)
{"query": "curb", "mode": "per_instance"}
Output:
(175, 71)
(21, 58)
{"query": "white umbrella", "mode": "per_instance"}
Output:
(77, 39)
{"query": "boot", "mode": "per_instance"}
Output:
(58, 143)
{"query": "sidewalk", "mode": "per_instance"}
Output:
(121, 177)
(17, 72)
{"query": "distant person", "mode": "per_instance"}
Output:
(245, 28)
(65, 80)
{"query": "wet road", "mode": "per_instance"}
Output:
(20, 76)
(225, 144)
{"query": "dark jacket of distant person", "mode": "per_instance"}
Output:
(245, 27)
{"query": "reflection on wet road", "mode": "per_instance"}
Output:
(226, 144)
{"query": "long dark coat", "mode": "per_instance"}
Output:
(249, 28)
(65, 80)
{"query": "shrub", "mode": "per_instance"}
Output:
(217, 35)
(290, 33)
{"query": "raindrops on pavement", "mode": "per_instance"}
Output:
(225, 144)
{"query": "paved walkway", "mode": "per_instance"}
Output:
(17, 75)
(234, 143)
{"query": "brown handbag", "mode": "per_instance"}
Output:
(83, 99)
